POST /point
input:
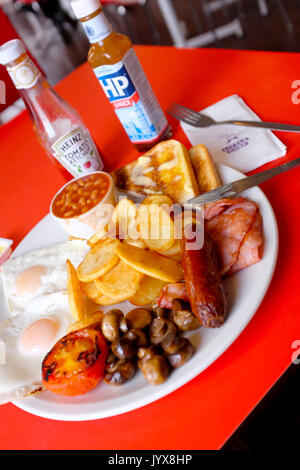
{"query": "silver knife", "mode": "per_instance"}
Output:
(236, 187)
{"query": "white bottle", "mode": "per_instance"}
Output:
(57, 125)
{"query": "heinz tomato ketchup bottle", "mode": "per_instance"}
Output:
(57, 125)
(122, 78)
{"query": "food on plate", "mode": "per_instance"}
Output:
(139, 318)
(70, 238)
(204, 168)
(124, 343)
(174, 251)
(90, 290)
(170, 292)
(100, 259)
(150, 263)
(181, 354)
(138, 336)
(95, 317)
(124, 220)
(150, 288)
(80, 195)
(121, 282)
(177, 349)
(104, 300)
(165, 169)
(118, 372)
(177, 258)
(139, 243)
(235, 225)
(75, 295)
(159, 199)
(75, 365)
(156, 227)
(125, 348)
(145, 338)
(153, 365)
(162, 331)
(29, 279)
(27, 337)
(113, 325)
(84, 205)
(203, 283)
(234, 239)
(101, 234)
(183, 317)
(158, 311)
(141, 253)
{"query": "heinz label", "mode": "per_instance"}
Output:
(127, 88)
(76, 151)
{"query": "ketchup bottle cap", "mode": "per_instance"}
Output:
(11, 50)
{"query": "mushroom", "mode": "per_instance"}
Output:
(139, 318)
(113, 324)
(154, 366)
(111, 358)
(183, 354)
(171, 347)
(137, 336)
(183, 317)
(124, 349)
(118, 372)
(180, 304)
(162, 329)
(160, 312)
(147, 353)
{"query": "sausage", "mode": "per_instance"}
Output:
(203, 282)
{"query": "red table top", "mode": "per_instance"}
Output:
(206, 411)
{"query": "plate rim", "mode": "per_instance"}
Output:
(176, 383)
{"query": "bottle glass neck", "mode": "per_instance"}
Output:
(39, 104)
(23, 72)
(44, 105)
(96, 26)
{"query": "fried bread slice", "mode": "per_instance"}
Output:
(165, 169)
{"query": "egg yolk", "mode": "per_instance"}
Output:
(29, 280)
(39, 336)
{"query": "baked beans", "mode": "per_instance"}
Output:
(80, 196)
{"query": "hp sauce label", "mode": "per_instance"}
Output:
(131, 95)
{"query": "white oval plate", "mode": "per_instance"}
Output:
(245, 290)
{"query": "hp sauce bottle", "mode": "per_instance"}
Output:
(122, 78)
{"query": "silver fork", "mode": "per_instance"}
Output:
(233, 189)
(201, 120)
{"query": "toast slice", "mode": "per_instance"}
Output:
(204, 168)
(165, 169)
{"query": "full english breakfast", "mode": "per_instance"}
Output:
(68, 327)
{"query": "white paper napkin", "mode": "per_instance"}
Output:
(243, 148)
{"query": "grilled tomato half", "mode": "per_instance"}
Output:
(75, 364)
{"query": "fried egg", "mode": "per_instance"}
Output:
(35, 288)
(39, 273)
(25, 339)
